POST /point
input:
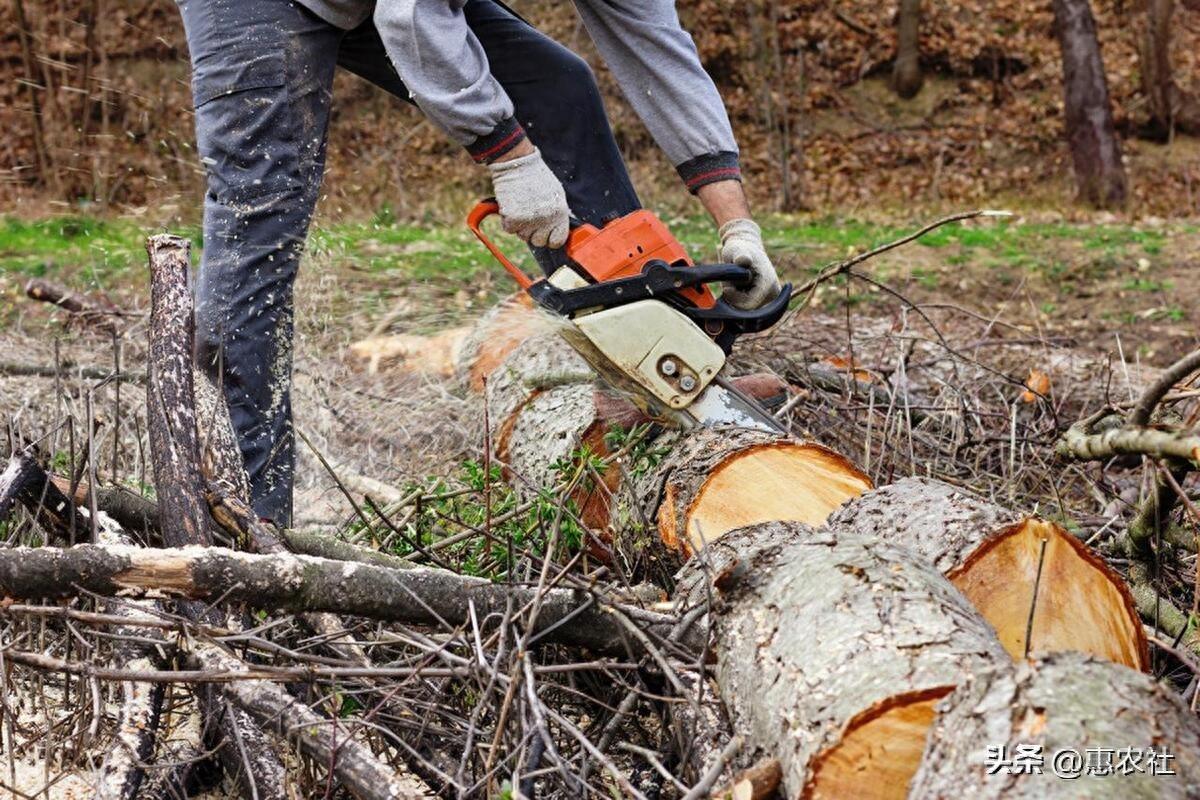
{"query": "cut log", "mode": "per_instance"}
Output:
(540, 403)
(543, 405)
(436, 355)
(832, 649)
(996, 558)
(494, 336)
(715, 480)
(1106, 719)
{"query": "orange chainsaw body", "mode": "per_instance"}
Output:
(622, 248)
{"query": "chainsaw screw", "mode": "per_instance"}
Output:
(668, 367)
(687, 383)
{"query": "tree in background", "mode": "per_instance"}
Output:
(1095, 149)
(1171, 108)
(906, 71)
(780, 78)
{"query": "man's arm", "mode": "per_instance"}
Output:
(446, 69)
(658, 68)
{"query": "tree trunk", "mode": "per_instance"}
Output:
(906, 71)
(494, 336)
(997, 559)
(832, 649)
(712, 481)
(1063, 702)
(184, 518)
(1171, 108)
(1095, 149)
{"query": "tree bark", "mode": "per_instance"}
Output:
(907, 78)
(541, 405)
(170, 404)
(184, 517)
(1065, 701)
(1091, 136)
(494, 336)
(996, 558)
(832, 649)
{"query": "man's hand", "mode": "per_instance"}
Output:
(532, 202)
(741, 243)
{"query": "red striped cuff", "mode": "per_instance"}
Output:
(710, 168)
(504, 137)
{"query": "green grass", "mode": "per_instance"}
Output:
(103, 252)
(108, 253)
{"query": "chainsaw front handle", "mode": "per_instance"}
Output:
(482, 210)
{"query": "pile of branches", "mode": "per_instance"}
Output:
(190, 643)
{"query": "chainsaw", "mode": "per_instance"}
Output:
(643, 315)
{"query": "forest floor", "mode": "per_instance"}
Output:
(1002, 296)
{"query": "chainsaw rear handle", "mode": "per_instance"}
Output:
(482, 210)
(486, 208)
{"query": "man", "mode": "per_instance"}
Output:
(520, 103)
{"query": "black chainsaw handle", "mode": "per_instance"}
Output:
(659, 280)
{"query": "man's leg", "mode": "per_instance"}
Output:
(261, 78)
(556, 100)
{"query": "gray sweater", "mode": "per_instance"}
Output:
(653, 59)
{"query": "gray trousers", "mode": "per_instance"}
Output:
(262, 75)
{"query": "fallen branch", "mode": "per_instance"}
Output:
(1164, 383)
(121, 774)
(88, 311)
(353, 764)
(1080, 444)
(303, 583)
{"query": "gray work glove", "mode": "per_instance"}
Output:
(532, 202)
(741, 243)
